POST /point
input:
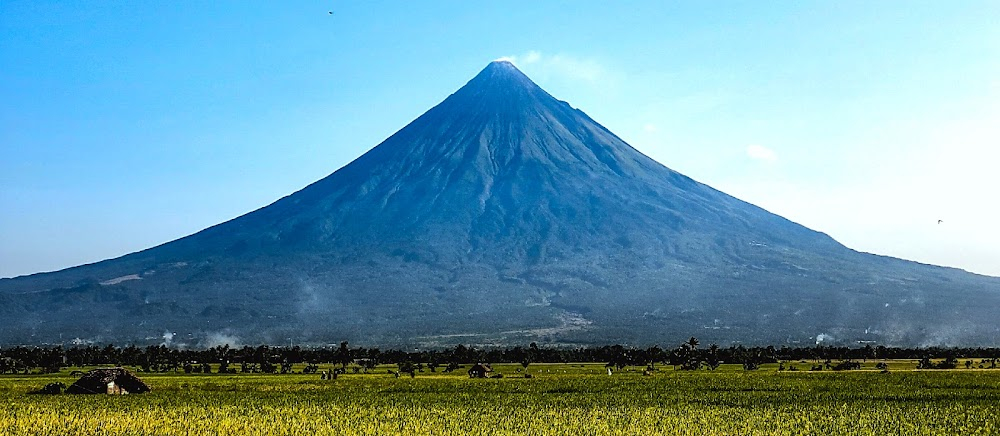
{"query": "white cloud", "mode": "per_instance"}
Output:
(528, 58)
(562, 66)
(532, 57)
(761, 153)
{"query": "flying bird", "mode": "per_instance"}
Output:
(940, 221)
(330, 12)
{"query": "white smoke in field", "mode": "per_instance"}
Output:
(317, 301)
(77, 342)
(168, 338)
(952, 332)
(948, 335)
(311, 300)
(326, 312)
(218, 339)
(322, 297)
(823, 337)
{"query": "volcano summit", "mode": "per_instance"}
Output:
(503, 216)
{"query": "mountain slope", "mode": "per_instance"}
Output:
(505, 215)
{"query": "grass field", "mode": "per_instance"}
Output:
(559, 399)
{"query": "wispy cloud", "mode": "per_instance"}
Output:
(761, 153)
(527, 58)
(560, 65)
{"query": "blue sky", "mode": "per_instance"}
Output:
(124, 125)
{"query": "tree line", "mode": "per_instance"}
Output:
(273, 359)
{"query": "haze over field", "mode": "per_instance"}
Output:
(127, 127)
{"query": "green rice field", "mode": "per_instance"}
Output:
(571, 399)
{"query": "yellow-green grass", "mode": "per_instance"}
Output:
(576, 399)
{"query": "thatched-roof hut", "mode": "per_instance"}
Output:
(50, 389)
(480, 370)
(111, 381)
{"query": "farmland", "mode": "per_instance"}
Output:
(558, 399)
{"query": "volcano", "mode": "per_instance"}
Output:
(503, 216)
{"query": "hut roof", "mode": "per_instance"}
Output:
(96, 382)
(480, 369)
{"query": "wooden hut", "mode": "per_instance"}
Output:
(480, 370)
(50, 389)
(111, 381)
